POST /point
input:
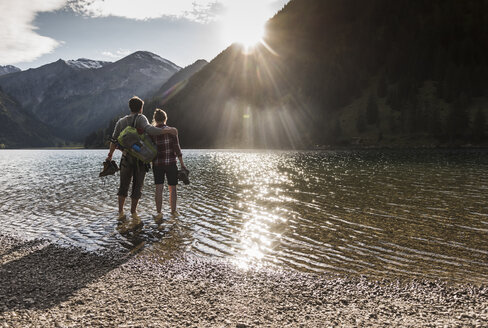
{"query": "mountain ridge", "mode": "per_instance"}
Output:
(77, 99)
(85, 63)
(177, 81)
(9, 69)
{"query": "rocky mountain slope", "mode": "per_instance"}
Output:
(19, 128)
(78, 97)
(8, 69)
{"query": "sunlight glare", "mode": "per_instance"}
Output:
(244, 22)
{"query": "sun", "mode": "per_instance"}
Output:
(244, 34)
(244, 24)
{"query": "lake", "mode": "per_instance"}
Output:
(388, 213)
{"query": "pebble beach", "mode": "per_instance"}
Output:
(46, 285)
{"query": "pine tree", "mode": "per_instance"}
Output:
(435, 123)
(479, 126)
(336, 131)
(372, 110)
(382, 89)
(392, 99)
(458, 120)
(361, 123)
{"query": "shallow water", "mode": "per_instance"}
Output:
(381, 213)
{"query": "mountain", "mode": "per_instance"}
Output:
(84, 63)
(19, 128)
(8, 69)
(78, 97)
(177, 82)
(331, 72)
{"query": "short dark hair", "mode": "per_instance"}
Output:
(135, 104)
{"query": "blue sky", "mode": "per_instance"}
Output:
(43, 31)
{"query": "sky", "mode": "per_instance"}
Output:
(37, 32)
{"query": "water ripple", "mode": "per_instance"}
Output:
(400, 213)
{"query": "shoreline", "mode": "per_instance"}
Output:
(44, 284)
(319, 148)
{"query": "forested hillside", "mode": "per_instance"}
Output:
(346, 72)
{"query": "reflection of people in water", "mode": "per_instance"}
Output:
(130, 167)
(164, 164)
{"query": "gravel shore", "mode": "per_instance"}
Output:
(46, 285)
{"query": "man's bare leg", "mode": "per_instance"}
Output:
(133, 205)
(121, 206)
(136, 220)
(172, 199)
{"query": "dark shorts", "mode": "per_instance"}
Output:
(171, 172)
(131, 170)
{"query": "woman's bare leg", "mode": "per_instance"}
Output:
(172, 198)
(159, 197)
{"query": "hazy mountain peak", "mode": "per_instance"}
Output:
(8, 69)
(146, 55)
(200, 62)
(84, 63)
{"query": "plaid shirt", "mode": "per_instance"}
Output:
(168, 147)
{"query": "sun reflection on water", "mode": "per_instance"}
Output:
(260, 179)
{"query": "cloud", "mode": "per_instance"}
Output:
(20, 42)
(196, 10)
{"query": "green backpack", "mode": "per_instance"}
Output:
(137, 144)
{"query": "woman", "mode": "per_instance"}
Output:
(164, 164)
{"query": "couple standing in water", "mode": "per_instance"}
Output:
(168, 150)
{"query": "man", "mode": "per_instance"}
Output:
(130, 167)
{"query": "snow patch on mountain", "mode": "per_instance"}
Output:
(84, 63)
(8, 69)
